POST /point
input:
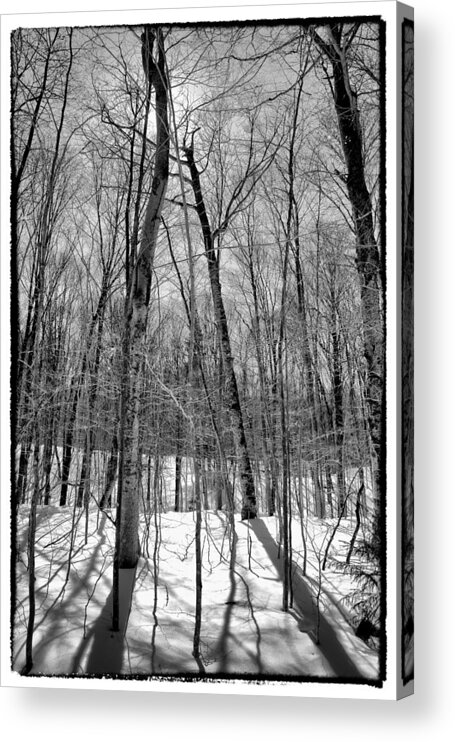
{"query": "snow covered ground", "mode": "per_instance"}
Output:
(244, 630)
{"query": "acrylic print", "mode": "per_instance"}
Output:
(198, 419)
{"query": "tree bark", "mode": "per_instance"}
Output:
(368, 260)
(111, 472)
(138, 300)
(337, 386)
(249, 508)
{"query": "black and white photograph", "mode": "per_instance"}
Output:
(203, 485)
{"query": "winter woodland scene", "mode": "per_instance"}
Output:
(198, 376)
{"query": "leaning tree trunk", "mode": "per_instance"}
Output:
(368, 259)
(249, 509)
(137, 306)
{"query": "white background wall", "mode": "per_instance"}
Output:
(66, 715)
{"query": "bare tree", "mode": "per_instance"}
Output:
(137, 302)
(249, 509)
(336, 46)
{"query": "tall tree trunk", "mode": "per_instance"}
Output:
(369, 267)
(268, 433)
(178, 480)
(309, 382)
(337, 385)
(178, 448)
(249, 508)
(157, 463)
(111, 472)
(329, 487)
(22, 475)
(198, 367)
(49, 431)
(31, 559)
(137, 304)
(287, 558)
(84, 482)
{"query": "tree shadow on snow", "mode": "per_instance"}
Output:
(304, 610)
(105, 648)
(106, 655)
(58, 618)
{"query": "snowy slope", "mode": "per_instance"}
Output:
(244, 629)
